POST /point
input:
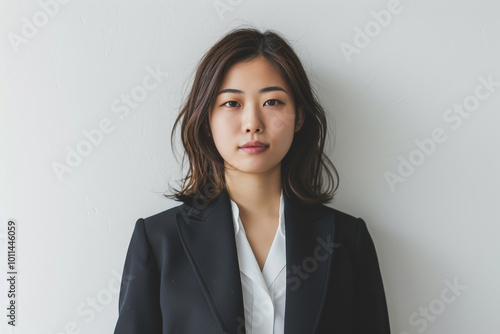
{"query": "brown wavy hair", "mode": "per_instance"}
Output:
(302, 167)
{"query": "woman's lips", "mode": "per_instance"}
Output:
(254, 149)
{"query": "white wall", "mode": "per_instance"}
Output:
(438, 227)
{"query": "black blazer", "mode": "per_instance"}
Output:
(181, 273)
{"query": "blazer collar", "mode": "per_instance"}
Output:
(207, 235)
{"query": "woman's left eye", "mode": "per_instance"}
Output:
(273, 102)
(231, 104)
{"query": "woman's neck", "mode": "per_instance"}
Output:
(256, 194)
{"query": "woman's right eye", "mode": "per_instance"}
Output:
(231, 104)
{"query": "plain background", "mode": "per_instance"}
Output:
(438, 227)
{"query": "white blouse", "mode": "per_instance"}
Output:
(264, 292)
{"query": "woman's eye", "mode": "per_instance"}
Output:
(272, 102)
(231, 104)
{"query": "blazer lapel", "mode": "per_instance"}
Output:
(309, 248)
(207, 235)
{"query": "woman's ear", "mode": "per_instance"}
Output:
(299, 119)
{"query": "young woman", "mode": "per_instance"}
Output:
(252, 249)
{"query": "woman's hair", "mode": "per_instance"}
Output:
(304, 163)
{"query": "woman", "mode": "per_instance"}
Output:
(253, 248)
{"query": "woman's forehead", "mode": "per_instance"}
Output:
(256, 74)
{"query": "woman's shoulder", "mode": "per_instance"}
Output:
(344, 217)
(340, 216)
(166, 216)
(344, 222)
(350, 231)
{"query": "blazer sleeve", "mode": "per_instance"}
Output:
(371, 306)
(139, 300)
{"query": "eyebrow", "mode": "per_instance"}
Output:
(263, 90)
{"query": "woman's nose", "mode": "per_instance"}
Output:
(252, 119)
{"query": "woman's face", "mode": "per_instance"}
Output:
(253, 104)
